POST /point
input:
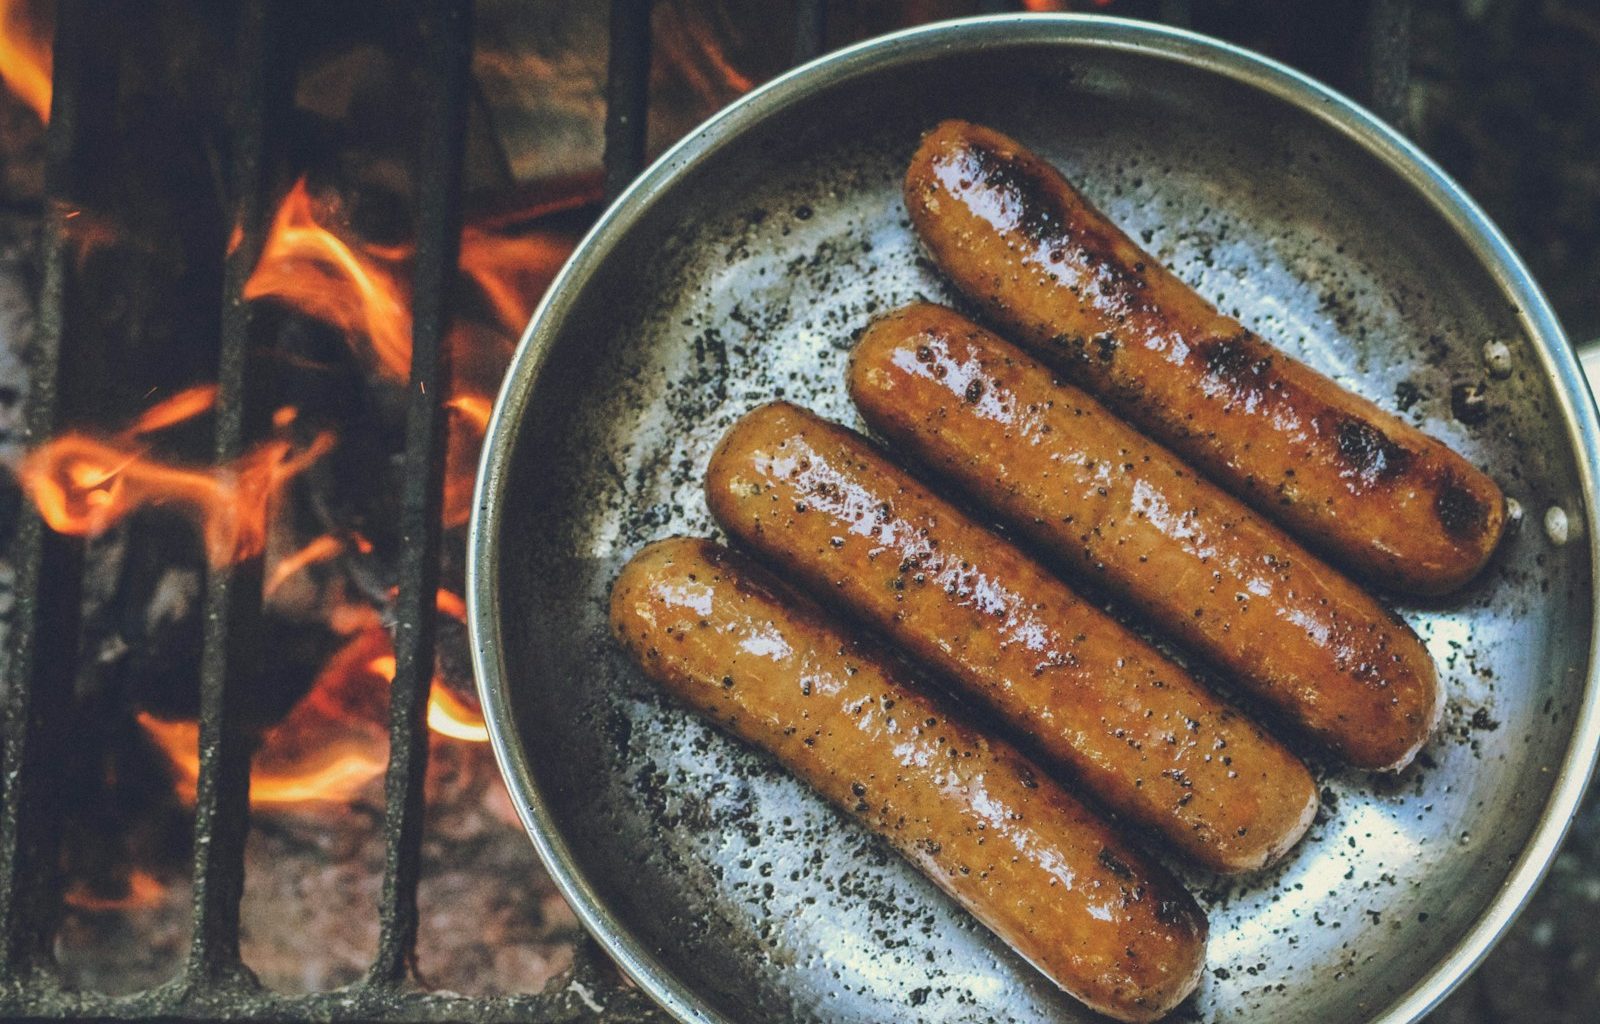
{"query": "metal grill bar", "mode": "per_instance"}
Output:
(231, 653)
(447, 42)
(347, 1006)
(627, 93)
(45, 629)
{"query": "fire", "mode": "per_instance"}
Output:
(328, 749)
(181, 407)
(474, 409)
(334, 743)
(319, 550)
(338, 777)
(144, 891)
(25, 55)
(307, 266)
(360, 288)
(511, 270)
(448, 714)
(83, 485)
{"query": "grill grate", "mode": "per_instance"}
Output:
(215, 984)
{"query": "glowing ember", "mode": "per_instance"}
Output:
(83, 485)
(452, 605)
(25, 55)
(307, 266)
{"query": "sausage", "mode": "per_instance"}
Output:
(1127, 515)
(1011, 846)
(1375, 493)
(1134, 729)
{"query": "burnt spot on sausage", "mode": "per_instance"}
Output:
(1235, 361)
(1114, 864)
(1105, 346)
(1037, 211)
(1368, 452)
(1074, 349)
(1461, 513)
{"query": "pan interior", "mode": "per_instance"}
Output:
(746, 277)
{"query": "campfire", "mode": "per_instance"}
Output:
(310, 501)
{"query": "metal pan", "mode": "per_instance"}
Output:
(740, 267)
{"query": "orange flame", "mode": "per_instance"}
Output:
(144, 891)
(448, 714)
(185, 405)
(319, 550)
(25, 56)
(328, 749)
(82, 485)
(511, 270)
(463, 441)
(307, 266)
(333, 744)
(474, 409)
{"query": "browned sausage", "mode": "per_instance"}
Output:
(1135, 729)
(1385, 499)
(1011, 846)
(1128, 515)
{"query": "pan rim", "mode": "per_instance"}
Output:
(1338, 113)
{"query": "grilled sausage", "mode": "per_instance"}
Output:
(1016, 850)
(1128, 515)
(1380, 496)
(1135, 729)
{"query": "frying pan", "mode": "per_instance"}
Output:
(739, 268)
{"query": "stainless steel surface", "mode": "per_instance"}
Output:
(738, 269)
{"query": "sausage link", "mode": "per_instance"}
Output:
(1129, 516)
(1135, 729)
(1383, 498)
(1016, 850)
